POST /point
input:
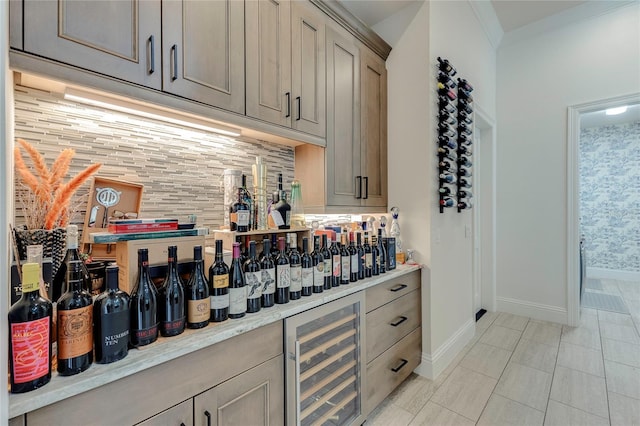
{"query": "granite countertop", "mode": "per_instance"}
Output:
(166, 349)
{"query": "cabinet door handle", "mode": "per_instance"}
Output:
(399, 367)
(208, 416)
(151, 56)
(359, 185)
(182, 424)
(299, 102)
(288, 95)
(174, 62)
(397, 323)
(398, 287)
(366, 187)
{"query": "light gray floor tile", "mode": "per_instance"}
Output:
(624, 333)
(501, 411)
(615, 318)
(588, 311)
(581, 336)
(465, 392)
(580, 390)
(436, 415)
(623, 379)
(389, 414)
(559, 414)
(511, 321)
(486, 359)
(487, 319)
(413, 393)
(526, 385)
(622, 352)
(625, 411)
(536, 355)
(589, 321)
(546, 333)
(580, 358)
(502, 337)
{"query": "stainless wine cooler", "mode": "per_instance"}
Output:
(324, 364)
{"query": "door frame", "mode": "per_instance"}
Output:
(573, 195)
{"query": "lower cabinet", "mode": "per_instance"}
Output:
(180, 415)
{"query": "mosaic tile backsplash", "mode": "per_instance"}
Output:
(610, 196)
(181, 169)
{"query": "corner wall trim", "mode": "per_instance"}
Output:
(612, 274)
(434, 364)
(533, 310)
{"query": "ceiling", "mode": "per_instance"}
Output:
(599, 118)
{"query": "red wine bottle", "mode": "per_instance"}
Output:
(360, 254)
(465, 205)
(447, 178)
(143, 305)
(464, 194)
(383, 253)
(171, 300)
(464, 161)
(444, 166)
(283, 274)
(219, 287)
(197, 293)
(445, 152)
(345, 259)
(464, 171)
(71, 255)
(239, 214)
(281, 210)
(252, 280)
(248, 200)
(464, 150)
(30, 322)
(336, 262)
(111, 320)
(444, 190)
(237, 288)
(268, 275)
(318, 266)
(368, 255)
(464, 183)
(307, 269)
(354, 263)
(328, 263)
(447, 202)
(446, 67)
(295, 268)
(375, 255)
(75, 324)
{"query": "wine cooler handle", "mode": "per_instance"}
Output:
(402, 319)
(366, 187)
(151, 57)
(399, 367)
(359, 184)
(208, 416)
(299, 102)
(398, 287)
(174, 62)
(297, 361)
(288, 95)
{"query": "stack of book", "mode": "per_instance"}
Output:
(141, 229)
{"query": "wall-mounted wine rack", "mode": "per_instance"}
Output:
(455, 120)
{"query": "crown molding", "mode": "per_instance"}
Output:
(488, 20)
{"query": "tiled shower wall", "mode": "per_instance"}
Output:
(610, 196)
(181, 169)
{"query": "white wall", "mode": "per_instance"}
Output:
(538, 78)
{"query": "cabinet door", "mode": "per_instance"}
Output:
(268, 56)
(344, 180)
(308, 69)
(116, 38)
(374, 129)
(255, 397)
(179, 415)
(203, 51)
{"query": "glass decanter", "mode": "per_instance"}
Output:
(395, 228)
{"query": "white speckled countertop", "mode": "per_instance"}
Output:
(166, 349)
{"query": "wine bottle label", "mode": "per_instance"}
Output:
(307, 277)
(318, 275)
(254, 286)
(296, 278)
(75, 332)
(173, 325)
(326, 267)
(30, 346)
(368, 260)
(336, 265)
(219, 302)
(287, 218)
(198, 310)
(346, 267)
(355, 264)
(237, 300)
(242, 217)
(268, 281)
(277, 218)
(146, 333)
(283, 276)
(221, 281)
(114, 333)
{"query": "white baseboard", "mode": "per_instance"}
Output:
(612, 274)
(434, 364)
(532, 310)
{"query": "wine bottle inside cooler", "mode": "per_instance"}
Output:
(307, 269)
(237, 288)
(295, 267)
(283, 274)
(318, 266)
(219, 286)
(252, 278)
(111, 320)
(30, 325)
(268, 275)
(171, 301)
(197, 294)
(248, 200)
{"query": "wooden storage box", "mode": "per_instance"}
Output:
(129, 202)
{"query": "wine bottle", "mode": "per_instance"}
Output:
(237, 288)
(464, 84)
(447, 202)
(252, 280)
(464, 109)
(464, 194)
(360, 254)
(445, 66)
(449, 133)
(283, 274)
(30, 324)
(444, 190)
(239, 213)
(111, 320)
(464, 183)
(464, 171)
(447, 178)
(444, 166)
(336, 266)
(445, 106)
(318, 266)
(34, 255)
(171, 301)
(143, 305)
(275, 251)
(464, 150)
(244, 249)
(328, 263)
(295, 268)
(445, 152)
(368, 254)
(354, 262)
(383, 253)
(465, 205)
(268, 272)
(345, 259)
(219, 286)
(447, 142)
(248, 200)
(375, 255)
(464, 130)
(72, 255)
(464, 161)
(75, 324)
(464, 95)
(281, 211)
(307, 269)
(197, 293)
(443, 117)
(444, 127)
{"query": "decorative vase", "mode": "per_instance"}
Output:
(53, 242)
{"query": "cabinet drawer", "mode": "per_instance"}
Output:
(391, 322)
(392, 289)
(391, 368)
(180, 415)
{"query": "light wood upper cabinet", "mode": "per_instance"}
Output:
(203, 51)
(117, 38)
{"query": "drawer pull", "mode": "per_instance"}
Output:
(182, 424)
(208, 415)
(402, 364)
(398, 287)
(402, 319)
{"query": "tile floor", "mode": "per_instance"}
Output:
(518, 371)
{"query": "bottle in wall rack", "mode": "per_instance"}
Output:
(111, 320)
(444, 190)
(465, 205)
(447, 178)
(447, 202)
(219, 286)
(446, 153)
(464, 183)
(464, 171)
(171, 300)
(464, 194)
(464, 161)
(268, 275)
(252, 280)
(143, 305)
(446, 142)
(237, 288)
(197, 293)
